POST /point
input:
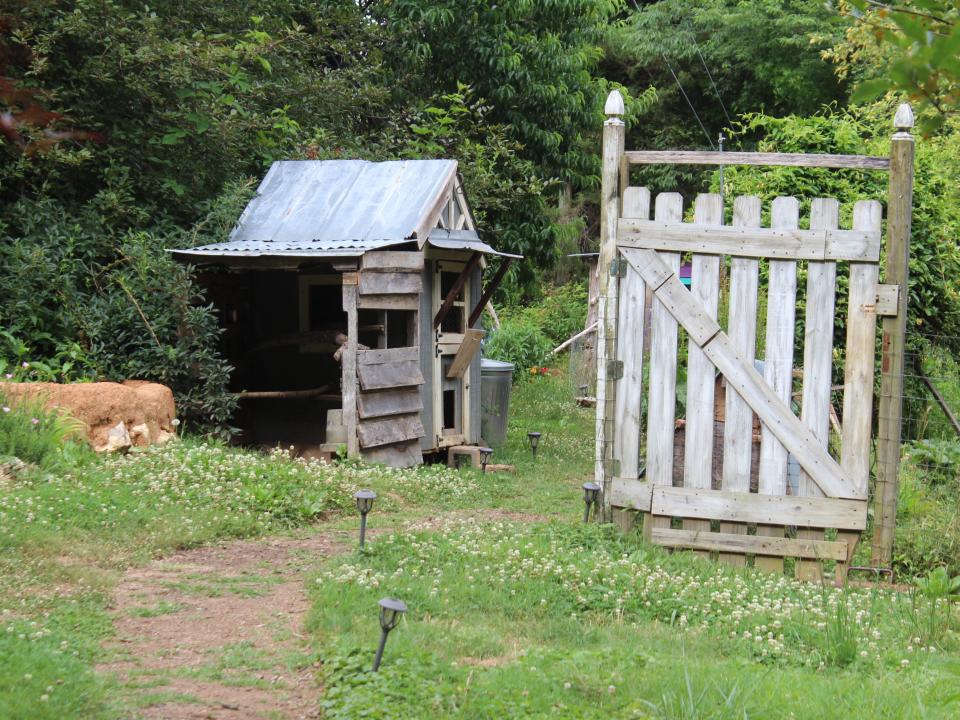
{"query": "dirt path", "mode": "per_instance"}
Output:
(217, 632)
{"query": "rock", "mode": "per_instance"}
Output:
(146, 408)
(118, 440)
(11, 468)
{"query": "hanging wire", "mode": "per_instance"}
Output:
(690, 104)
(712, 83)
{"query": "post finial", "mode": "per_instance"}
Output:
(614, 106)
(903, 120)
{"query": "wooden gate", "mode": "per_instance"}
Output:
(649, 316)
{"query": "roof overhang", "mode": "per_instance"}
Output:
(463, 240)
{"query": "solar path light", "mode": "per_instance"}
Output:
(390, 612)
(364, 500)
(485, 453)
(591, 491)
(533, 440)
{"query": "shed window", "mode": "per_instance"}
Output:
(387, 328)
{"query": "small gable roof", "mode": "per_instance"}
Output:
(329, 208)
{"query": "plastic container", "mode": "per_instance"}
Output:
(496, 380)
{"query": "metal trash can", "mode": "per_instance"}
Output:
(496, 380)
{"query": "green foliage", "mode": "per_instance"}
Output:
(42, 679)
(934, 303)
(560, 312)
(940, 460)
(920, 43)
(734, 48)
(533, 62)
(928, 519)
(519, 342)
(32, 434)
(148, 322)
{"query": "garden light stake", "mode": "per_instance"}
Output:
(533, 440)
(591, 492)
(364, 500)
(390, 612)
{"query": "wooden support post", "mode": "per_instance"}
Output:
(894, 329)
(613, 142)
(348, 367)
(488, 291)
(455, 290)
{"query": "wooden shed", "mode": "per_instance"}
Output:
(350, 296)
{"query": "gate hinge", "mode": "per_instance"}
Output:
(614, 369)
(618, 267)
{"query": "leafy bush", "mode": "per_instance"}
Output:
(560, 313)
(34, 435)
(940, 459)
(519, 342)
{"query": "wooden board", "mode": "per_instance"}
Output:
(393, 260)
(859, 361)
(663, 360)
(755, 544)
(754, 508)
(630, 493)
(742, 328)
(698, 157)
(782, 243)
(817, 362)
(701, 375)
(630, 329)
(400, 455)
(390, 283)
(388, 355)
(374, 433)
(778, 359)
(701, 380)
(389, 402)
(384, 376)
(348, 371)
(465, 353)
(388, 302)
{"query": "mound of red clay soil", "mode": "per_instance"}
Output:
(145, 409)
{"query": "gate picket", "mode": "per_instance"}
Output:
(701, 375)
(636, 204)
(817, 360)
(663, 366)
(859, 365)
(742, 328)
(778, 364)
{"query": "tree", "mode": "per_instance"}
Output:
(909, 48)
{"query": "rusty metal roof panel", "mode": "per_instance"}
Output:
(317, 208)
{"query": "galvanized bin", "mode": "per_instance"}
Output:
(496, 380)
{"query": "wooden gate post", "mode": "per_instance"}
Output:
(613, 145)
(899, 210)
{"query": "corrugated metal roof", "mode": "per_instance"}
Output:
(320, 208)
(463, 240)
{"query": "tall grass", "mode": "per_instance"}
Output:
(49, 439)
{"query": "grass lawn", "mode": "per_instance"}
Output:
(516, 607)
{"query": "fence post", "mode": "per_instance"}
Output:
(613, 145)
(899, 211)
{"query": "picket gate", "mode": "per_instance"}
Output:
(718, 493)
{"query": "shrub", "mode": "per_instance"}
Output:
(519, 342)
(560, 313)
